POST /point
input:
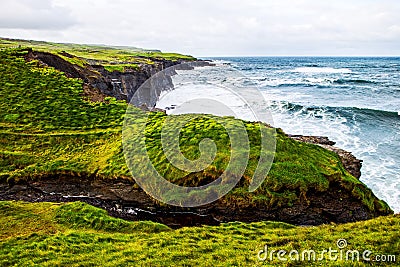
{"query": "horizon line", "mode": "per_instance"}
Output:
(190, 54)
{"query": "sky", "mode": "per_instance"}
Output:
(206, 28)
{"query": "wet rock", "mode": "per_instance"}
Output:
(320, 140)
(121, 198)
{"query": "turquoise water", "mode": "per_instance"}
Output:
(353, 101)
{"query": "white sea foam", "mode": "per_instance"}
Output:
(320, 80)
(172, 101)
(221, 62)
(274, 82)
(280, 81)
(321, 70)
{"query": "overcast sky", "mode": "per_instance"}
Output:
(213, 27)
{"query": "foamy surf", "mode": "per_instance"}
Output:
(321, 70)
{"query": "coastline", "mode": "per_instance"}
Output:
(314, 206)
(61, 158)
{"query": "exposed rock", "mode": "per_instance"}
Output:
(72, 71)
(335, 205)
(92, 94)
(121, 198)
(320, 140)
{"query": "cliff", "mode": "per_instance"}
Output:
(57, 146)
(99, 82)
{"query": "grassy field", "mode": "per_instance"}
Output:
(112, 58)
(76, 234)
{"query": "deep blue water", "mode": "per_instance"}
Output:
(353, 101)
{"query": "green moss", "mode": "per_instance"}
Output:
(121, 67)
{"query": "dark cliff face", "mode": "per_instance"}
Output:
(123, 85)
(100, 83)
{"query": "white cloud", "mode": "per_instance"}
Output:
(210, 27)
(31, 14)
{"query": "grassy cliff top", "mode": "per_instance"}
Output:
(76, 234)
(108, 56)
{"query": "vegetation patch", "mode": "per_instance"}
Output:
(121, 67)
(95, 54)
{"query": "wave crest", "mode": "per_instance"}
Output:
(321, 70)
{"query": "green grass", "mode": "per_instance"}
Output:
(46, 100)
(121, 67)
(81, 55)
(76, 234)
(46, 127)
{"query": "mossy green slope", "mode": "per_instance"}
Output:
(76, 234)
(46, 128)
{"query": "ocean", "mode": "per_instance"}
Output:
(352, 100)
